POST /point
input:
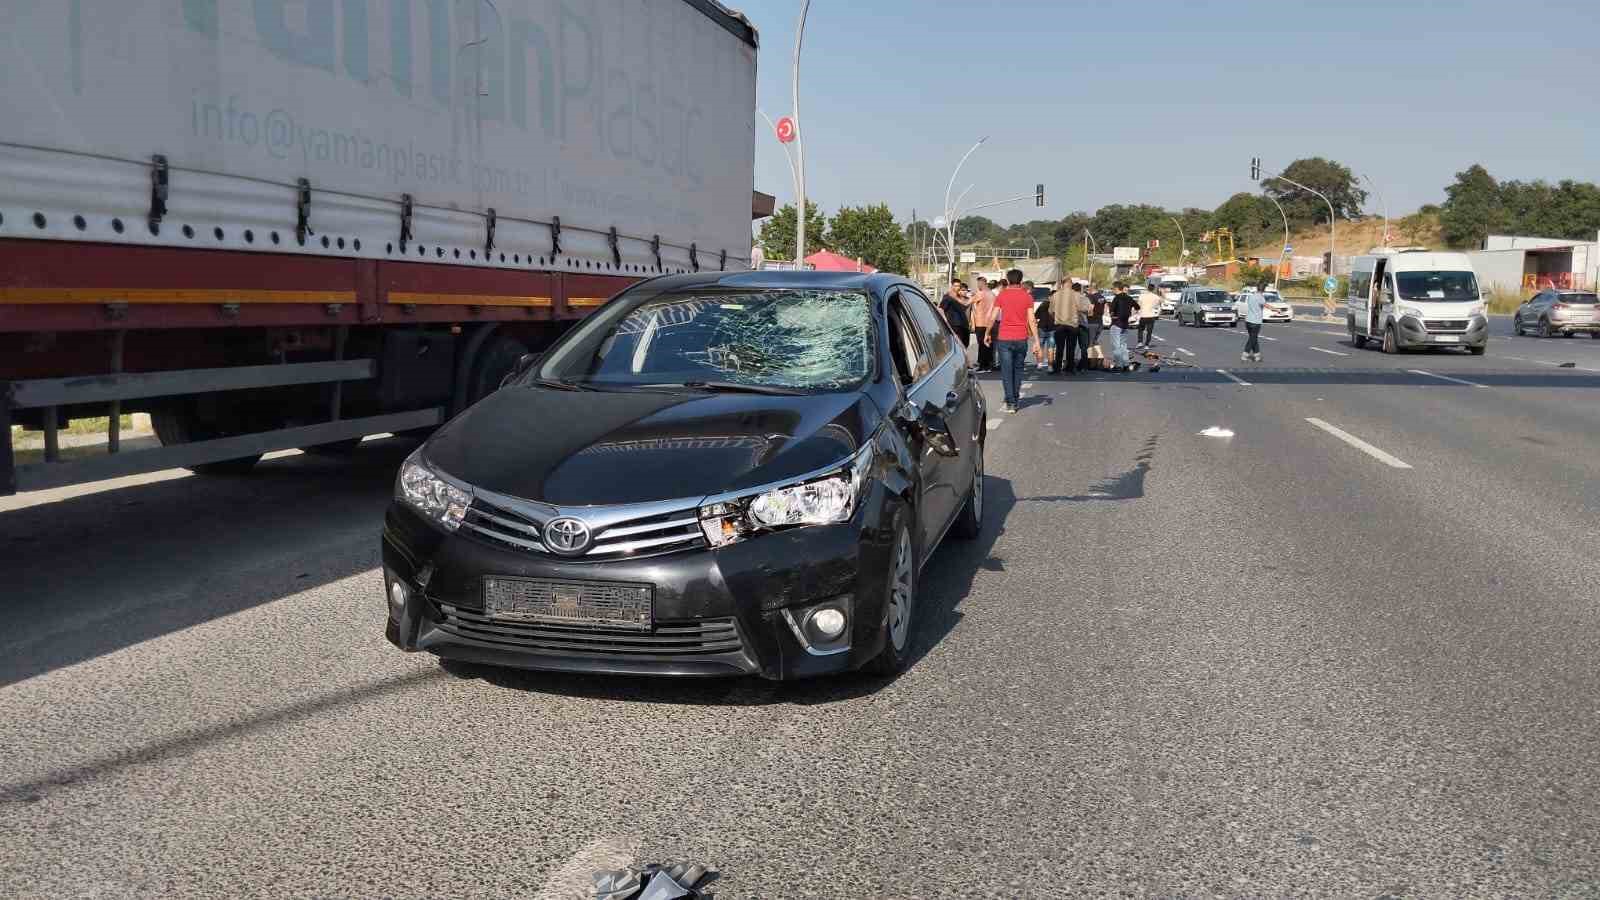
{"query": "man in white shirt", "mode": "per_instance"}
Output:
(1149, 312)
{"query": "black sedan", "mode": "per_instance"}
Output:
(713, 474)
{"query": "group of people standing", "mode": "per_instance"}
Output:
(1068, 326)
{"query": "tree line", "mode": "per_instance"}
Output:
(1475, 205)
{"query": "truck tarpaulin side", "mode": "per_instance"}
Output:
(384, 129)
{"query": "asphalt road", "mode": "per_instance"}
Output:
(1267, 664)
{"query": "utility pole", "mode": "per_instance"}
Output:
(799, 143)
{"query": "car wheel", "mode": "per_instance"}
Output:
(1566, 334)
(898, 607)
(1476, 351)
(970, 520)
(1516, 326)
(1391, 345)
(1595, 335)
(1544, 329)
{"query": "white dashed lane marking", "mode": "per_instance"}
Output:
(1232, 377)
(1377, 454)
(1446, 378)
(1329, 352)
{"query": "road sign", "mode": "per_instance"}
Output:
(1125, 254)
(785, 129)
(969, 256)
(1288, 249)
(1330, 285)
(1154, 245)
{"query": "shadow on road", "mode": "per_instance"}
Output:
(91, 574)
(946, 582)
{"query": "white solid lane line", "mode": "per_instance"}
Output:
(1265, 338)
(1446, 378)
(1329, 352)
(1361, 445)
(1229, 375)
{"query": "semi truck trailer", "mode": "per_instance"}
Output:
(275, 225)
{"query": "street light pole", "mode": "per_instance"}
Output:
(1333, 243)
(949, 211)
(1383, 203)
(1087, 260)
(1285, 250)
(1183, 246)
(799, 143)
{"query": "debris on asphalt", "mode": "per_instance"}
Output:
(655, 881)
(1570, 365)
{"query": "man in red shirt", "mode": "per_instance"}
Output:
(1012, 332)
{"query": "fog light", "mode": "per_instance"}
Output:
(827, 622)
(398, 595)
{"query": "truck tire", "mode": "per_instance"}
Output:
(177, 425)
(1391, 344)
(495, 361)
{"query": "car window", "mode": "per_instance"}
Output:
(931, 327)
(910, 361)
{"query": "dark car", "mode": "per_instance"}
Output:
(712, 474)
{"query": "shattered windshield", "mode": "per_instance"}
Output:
(795, 339)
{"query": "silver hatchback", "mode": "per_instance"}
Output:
(1552, 312)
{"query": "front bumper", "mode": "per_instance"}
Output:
(1212, 318)
(715, 612)
(1411, 333)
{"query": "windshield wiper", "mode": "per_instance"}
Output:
(560, 384)
(726, 386)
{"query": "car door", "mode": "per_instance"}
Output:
(914, 365)
(943, 393)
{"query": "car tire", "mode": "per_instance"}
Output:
(1595, 335)
(1476, 351)
(899, 605)
(969, 522)
(1566, 334)
(1544, 329)
(1391, 344)
(1234, 324)
(1516, 326)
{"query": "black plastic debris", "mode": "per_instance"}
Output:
(1570, 365)
(655, 881)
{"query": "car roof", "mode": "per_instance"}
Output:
(876, 282)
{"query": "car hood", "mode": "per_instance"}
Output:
(594, 448)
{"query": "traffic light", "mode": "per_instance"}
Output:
(1038, 195)
(1255, 168)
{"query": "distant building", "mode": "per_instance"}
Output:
(1515, 264)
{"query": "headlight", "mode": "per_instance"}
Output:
(828, 499)
(429, 494)
(1479, 310)
(1404, 310)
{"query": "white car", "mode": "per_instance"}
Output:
(1274, 307)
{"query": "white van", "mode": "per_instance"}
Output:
(1415, 298)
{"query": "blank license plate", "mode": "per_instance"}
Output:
(1448, 338)
(598, 604)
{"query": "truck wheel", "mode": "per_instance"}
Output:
(179, 426)
(1391, 345)
(495, 361)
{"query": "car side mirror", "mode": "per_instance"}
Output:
(936, 431)
(524, 362)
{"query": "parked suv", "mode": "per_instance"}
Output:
(1200, 306)
(1549, 313)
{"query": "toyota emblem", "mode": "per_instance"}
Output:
(567, 536)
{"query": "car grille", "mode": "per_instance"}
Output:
(663, 533)
(1445, 326)
(698, 637)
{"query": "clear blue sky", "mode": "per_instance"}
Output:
(894, 91)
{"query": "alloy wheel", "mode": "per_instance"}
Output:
(900, 598)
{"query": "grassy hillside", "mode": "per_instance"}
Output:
(1357, 237)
